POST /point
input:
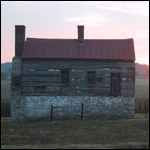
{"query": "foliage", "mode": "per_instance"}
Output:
(142, 104)
(5, 107)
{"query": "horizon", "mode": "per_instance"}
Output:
(102, 20)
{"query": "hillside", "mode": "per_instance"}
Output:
(6, 66)
(6, 70)
(142, 70)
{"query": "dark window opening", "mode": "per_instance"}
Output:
(40, 89)
(65, 77)
(115, 84)
(91, 77)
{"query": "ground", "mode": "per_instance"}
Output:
(76, 134)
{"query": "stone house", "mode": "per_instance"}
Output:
(65, 74)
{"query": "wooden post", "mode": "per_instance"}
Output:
(82, 111)
(51, 112)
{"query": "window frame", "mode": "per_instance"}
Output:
(65, 77)
(116, 84)
(91, 77)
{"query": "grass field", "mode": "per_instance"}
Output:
(5, 89)
(76, 134)
(141, 88)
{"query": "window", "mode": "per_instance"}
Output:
(65, 77)
(40, 89)
(91, 77)
(115, 84)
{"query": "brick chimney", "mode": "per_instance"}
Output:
(80, 33)
(19, 39)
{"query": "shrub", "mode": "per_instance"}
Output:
(5, 107)
(142, 105)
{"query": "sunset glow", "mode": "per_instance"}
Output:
(102, 20)
(143, 60)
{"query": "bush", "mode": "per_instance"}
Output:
(142, 105)
(5, 107)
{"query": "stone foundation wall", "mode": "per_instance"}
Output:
(69, 107)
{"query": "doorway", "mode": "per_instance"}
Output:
(115, 84)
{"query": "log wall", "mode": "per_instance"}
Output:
(43, 77)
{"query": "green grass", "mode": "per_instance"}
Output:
(5, 88)
(132, 133)
(142, 87)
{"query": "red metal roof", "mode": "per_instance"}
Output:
(115, 49)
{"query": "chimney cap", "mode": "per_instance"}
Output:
(81, 26)
(20, 26)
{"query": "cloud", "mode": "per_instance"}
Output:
(67, 2)
(91, 19)
(21, 7)
(18, 3)
(142, 59)
(142, 34)
(141, 8)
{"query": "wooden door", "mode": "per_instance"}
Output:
(115, 84)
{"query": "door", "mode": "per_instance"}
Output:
(115, 84)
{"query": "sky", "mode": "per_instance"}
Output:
(59, 19)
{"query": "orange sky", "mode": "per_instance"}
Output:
(102, 20)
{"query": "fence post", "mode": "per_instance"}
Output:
(82, 111)
(51, 112)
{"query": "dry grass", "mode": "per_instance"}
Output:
(129, 145)
(76, 134)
